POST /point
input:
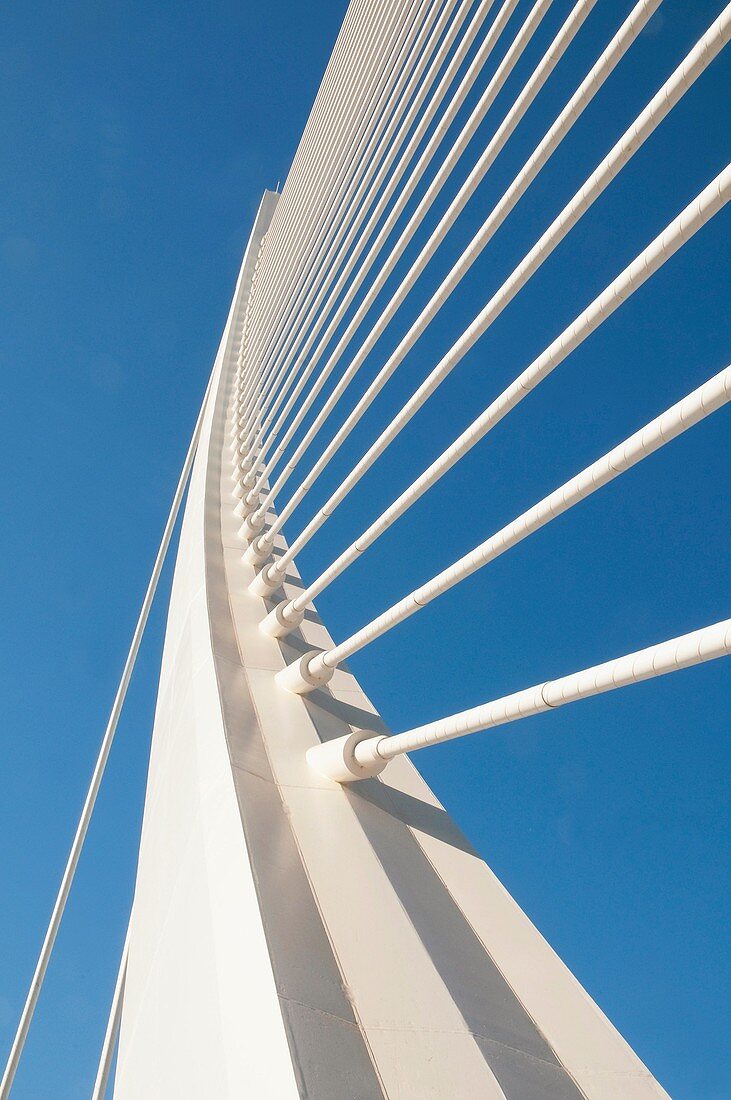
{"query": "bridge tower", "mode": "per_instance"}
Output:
(307, 919)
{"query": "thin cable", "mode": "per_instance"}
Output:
(707, 644)
(519, 44)
(341, 95)
(318, 113)
(99, 767)
(112, 1031)
(560, 348)
(709, 397)
(371, 61)
(391, 101)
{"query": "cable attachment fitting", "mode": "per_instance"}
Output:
(306, 674)
(258, 551)
(337, 759)
(281, 620)
(267, 581)
(252, 526)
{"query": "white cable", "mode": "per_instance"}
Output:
(402, 197)
(243, 343)
(302, 198)
(587, 89)
(249, 388)
(511, 58)
(385, 89)
(327, 95)
(599, 72)
(99, 767)
(288, 615)
(361, 755)
(392, 101)
(352, 111)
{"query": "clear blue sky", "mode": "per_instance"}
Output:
(137, 139)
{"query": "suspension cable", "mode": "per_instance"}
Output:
(99, 767)
(361, 755)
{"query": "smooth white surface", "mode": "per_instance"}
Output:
(406, 75)
(415, 920)
(111, 1033)
(599, 72)
(517, 47)
(337, 759)
(199, 980)
(404, 997)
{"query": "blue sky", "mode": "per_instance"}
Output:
(137, 141)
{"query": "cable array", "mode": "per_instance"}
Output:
(305, 355)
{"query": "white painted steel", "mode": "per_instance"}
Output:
(199, 976)
(246, 326)
(250, 391)
(98, 773)
(336, 759)
(405, 86)
(707, 644)
(416, 219)
(419, 37)
(401, 198)
(384, 896)
(406, 911)
(395, 72)
(307, 147)
(327, 160)
(696, 62)
(286, 616)
(243, 343)
(610, 57)
(339, 58)
(322, 112)
(352, 937)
